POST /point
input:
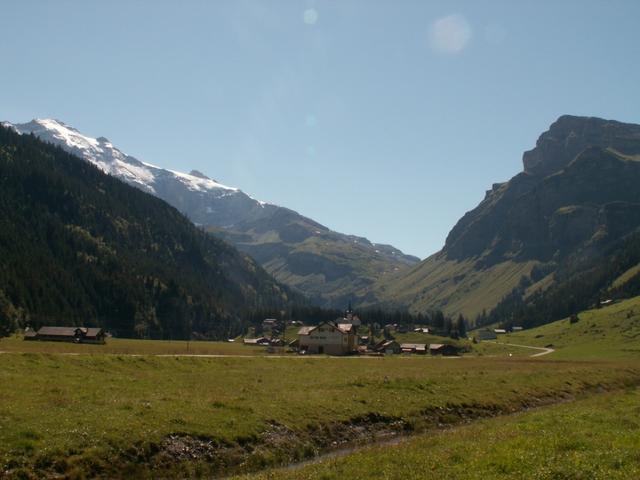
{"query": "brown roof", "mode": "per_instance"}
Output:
(92, 332)
(58, 331)
(384, 344)
(69, 331)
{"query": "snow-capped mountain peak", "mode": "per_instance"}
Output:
(202, 199)
(103, 154)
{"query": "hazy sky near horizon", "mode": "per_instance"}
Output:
(385, 119)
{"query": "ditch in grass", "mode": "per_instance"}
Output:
(115, 416)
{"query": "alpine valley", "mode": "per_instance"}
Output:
(550, 241)
(330, 268)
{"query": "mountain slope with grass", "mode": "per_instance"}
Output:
(576, 199)
(607, 332)
(81, 247)
(329, 267)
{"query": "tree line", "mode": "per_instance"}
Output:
(579, 284)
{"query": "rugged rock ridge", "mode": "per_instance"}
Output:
(570, 135)
(578, 194)
(513, 220)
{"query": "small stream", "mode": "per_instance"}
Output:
(381, 441)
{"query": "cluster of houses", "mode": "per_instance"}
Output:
(67, 334)
(340, 337)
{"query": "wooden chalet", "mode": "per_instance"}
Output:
(419, 348)
(444, 349)
(67, 334)
(388, 347)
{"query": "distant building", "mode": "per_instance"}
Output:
(351, 317)
(421, 330)
(30, 334)
(331, 338)
(442, 349)
(260, 341)
(67, 334)
(499, 331)
(388, 347)
(269, 323)
(517, 329)
(419, 348)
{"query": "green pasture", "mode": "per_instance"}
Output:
(595, 438)
(87, 409)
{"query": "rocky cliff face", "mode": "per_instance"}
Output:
(578, 193)
(579, 163)
(570, 135)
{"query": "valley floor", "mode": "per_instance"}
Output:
(149, 409)
(148, 416)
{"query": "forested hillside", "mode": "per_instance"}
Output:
(329, 267)
(579, 284)
(80, 247)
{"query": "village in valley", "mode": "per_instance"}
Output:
(349, 335)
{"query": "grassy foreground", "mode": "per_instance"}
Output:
(596, 438)
(124, 346)
(116, 415)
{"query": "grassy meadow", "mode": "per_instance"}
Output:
(125, 346)
(148, 409)
(594, 438)
(116, 415)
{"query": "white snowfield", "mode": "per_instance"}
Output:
(113, 161)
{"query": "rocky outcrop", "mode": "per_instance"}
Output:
(578, 194)
(570, 135)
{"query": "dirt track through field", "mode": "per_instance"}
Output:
(543, 350)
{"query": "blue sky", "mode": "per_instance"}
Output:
(386, 119)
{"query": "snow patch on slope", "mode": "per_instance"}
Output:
(200, 184)
(109, 159)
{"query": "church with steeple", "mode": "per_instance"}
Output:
(350, 317)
